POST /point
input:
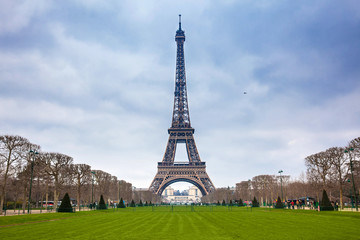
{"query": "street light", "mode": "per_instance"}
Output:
(348, 150)
(351, 199)
(32, 156)
(282, 198)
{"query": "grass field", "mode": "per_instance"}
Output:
(182, 222)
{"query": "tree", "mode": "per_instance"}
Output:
(132, 204)
(102, 204)
(279, 203)
(103, 180)
(65, 205)
(241, 203)
(223, 203)
(339, 168)
(264, 186)
(255, 203)
(121, 203)
(325, 204)
(57, 167)
(82, 174)
(319, 165)
(13, 151)
(125, 189)
(140, 203)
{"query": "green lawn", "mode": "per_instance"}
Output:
(184, 223)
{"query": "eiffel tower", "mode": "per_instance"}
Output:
(181, 131)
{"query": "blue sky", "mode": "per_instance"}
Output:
(95, 79)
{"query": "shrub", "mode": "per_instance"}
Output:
(102, 204)
(140, 203)
(255, 203)
(65, 205)
(132, 204)
(121, 204)
(223, 203)
(325, 204)
(241, 204)
(279, 203)
(218, 203)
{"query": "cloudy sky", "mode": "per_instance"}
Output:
(94, 79)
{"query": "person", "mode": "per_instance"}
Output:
(292, 204)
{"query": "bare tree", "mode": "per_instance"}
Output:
(264, 186)
(125, 189)
(103, 180)
(13, 150)
(82, 173)
(242, 190)
(319, 165)
(55, 166)
(339, 168)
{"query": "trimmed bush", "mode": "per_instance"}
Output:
(65, 205)
(279, 203)
(325, 204)
(121, 204)
(140, 203)
(241, 204)
(255, 203)
(102, 204)
(132, 204)
(223, 203)
(218, 203)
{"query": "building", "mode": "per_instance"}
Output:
(192, 195)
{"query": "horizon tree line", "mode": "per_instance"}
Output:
(53, 174)
(329, 170)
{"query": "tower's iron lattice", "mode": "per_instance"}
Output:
(181, 131)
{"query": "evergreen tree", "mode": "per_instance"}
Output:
(230, 203)
(140, 203)
(325, 204)
(102, 204)
(218, 203)
(241, 204)
(255, 203)
(223, 203)
(121, 204)
(279, 203)
(132, 204)
(150, 204)
(65, 205)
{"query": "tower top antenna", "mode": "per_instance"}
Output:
(179, 21)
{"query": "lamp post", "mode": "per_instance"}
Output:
(32, 156)
(351, 199)
(349, 150)
(92, 188)
(282, 198)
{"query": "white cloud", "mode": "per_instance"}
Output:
(16, 15)
(109, 103)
